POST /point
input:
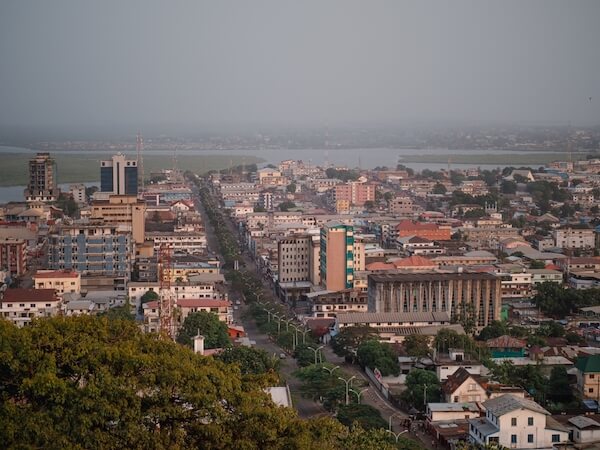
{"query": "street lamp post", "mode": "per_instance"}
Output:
(359, 393)
(331, 370)
(397, 435)
(348, 381)
(316, 351)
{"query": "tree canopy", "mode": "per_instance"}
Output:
(556, 301)
(417, 345)
(88, 382)
(376, 355)
(421, 383)
(346, 342)
(208, 325)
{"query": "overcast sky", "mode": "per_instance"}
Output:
(87, 63)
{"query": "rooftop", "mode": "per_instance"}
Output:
(507, 403)
(56, 274)
(430, 276)
(30, 295)
(351, 318)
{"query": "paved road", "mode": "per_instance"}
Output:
(307, 408)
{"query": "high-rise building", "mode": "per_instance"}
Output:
(42, 179)
(122, 210)
(93, 249)
(337, 256)
(119, 175)
(13, 256)
(473, 294)
(355, 193)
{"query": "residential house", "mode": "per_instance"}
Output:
(588, 376)
(462, 387)
(506, 347)
(515, 422)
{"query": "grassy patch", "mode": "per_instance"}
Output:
(75, 168)
(534, 159)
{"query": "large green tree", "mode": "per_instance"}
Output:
(346, 342)
(377, 355)
(365, 415)
(417, 345)
(86, 382)
(251, 361)
(558, 385)
(422, 386)
(208, 325)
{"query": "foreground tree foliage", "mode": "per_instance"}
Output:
(84, 382)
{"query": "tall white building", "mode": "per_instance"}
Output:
(119, 175)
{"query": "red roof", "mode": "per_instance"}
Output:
(30, 295)
(414, 261)
(380, 266)
(56, 274)
(505, 342)
(418, 226)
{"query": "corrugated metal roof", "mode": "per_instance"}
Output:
(437, 316)
(507, 403)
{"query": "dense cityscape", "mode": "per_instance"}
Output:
(422, 307)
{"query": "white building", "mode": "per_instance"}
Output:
(77, 191)
(438, 412)
(517, 423)
(20, 306)
(583, 238)
(187, 242)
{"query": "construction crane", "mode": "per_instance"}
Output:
(166, 301)
(139, 146)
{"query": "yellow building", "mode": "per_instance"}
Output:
(122, 210)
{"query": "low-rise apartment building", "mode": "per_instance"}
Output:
(222, 308)
(63, 281)
(21, 306)
(574, 238)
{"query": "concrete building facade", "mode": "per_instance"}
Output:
(13, 257)
(119, 175)
(124, 210)
(337, 256)
(478, 294)
(42, 186)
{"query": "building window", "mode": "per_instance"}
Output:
(530, 438)
(556, 438)
(513, 422)
(513, 438)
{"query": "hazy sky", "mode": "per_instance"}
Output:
(89, 63)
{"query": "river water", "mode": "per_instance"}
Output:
(354, 157)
